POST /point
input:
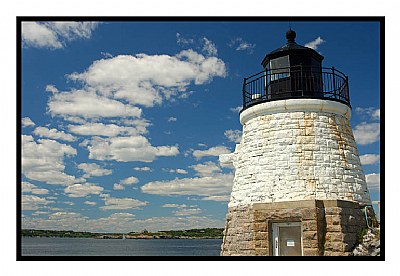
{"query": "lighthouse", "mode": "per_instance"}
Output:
(299, 187)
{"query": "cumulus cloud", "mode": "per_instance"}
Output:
(240, 45)
(142, 169)
(233, 135)
(118, 187)
(32, 202)
(211, 187)
(367, 133)
(180, 171)
(53, 134)
(369, 159)
(113, 203)
(54, 35)
(39, 36)
(125, 149)
(187, 212)
(315, 43)
(174, 205)
(88, 104)
(82, 190)
(172, 119)
(26, 122)
(44, 160)
(373, 181)
(143, 80)
(206, 169)
(214, 151)
(30, 188)
(129, 181)
(91, 203)
(371, 113)
(100, 129)
(93, 169)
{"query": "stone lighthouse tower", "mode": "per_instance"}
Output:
(299, 188)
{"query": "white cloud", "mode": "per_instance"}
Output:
(82, 190)
(53, 134)
(100, 129)
(371, 112)
(39, 35)
(141, 125)
(183, 41)
(236, 109)
(143, 80)
(118, 187)
(112, 203)
(214, 151)
(129, 181)
(365, 133)
(143, 169)
(91, 203)
(180, 171)
(174, 205)
(44, 161)
(240, 45)
(369, 159)
(73, 30)
(373, 181)
(51, 88)
(172, 119)
(86, 104)
(187, 212)
(233, 135)
(206, 169)
(53, 35)
(217, 198)
(208, 186)
(315, 43)
(125, 149)
(93, 169)
(31, 202)
(209, 47)
(26, 122)
(30, 188)
(64, 215)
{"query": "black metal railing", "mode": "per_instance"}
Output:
(296, 82)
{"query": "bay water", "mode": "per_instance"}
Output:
(37, 246)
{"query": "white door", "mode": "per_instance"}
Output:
(287, 239)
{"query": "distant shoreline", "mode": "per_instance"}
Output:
(205, 233)
(150, 238)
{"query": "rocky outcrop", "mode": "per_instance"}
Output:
(370, 245)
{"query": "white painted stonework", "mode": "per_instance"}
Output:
(297, 149)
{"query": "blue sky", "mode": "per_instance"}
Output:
(123, 122)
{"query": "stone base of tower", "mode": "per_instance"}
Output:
(328, 227)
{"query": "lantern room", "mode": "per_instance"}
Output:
(294, 71)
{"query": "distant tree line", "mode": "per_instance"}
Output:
(204, 233)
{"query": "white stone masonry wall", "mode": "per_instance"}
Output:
(292, 154)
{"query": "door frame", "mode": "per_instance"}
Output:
(275, 235)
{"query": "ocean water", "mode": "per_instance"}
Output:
(35, 246)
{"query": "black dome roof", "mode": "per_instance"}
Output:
(291, 47)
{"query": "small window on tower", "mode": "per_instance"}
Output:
(279, 68)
